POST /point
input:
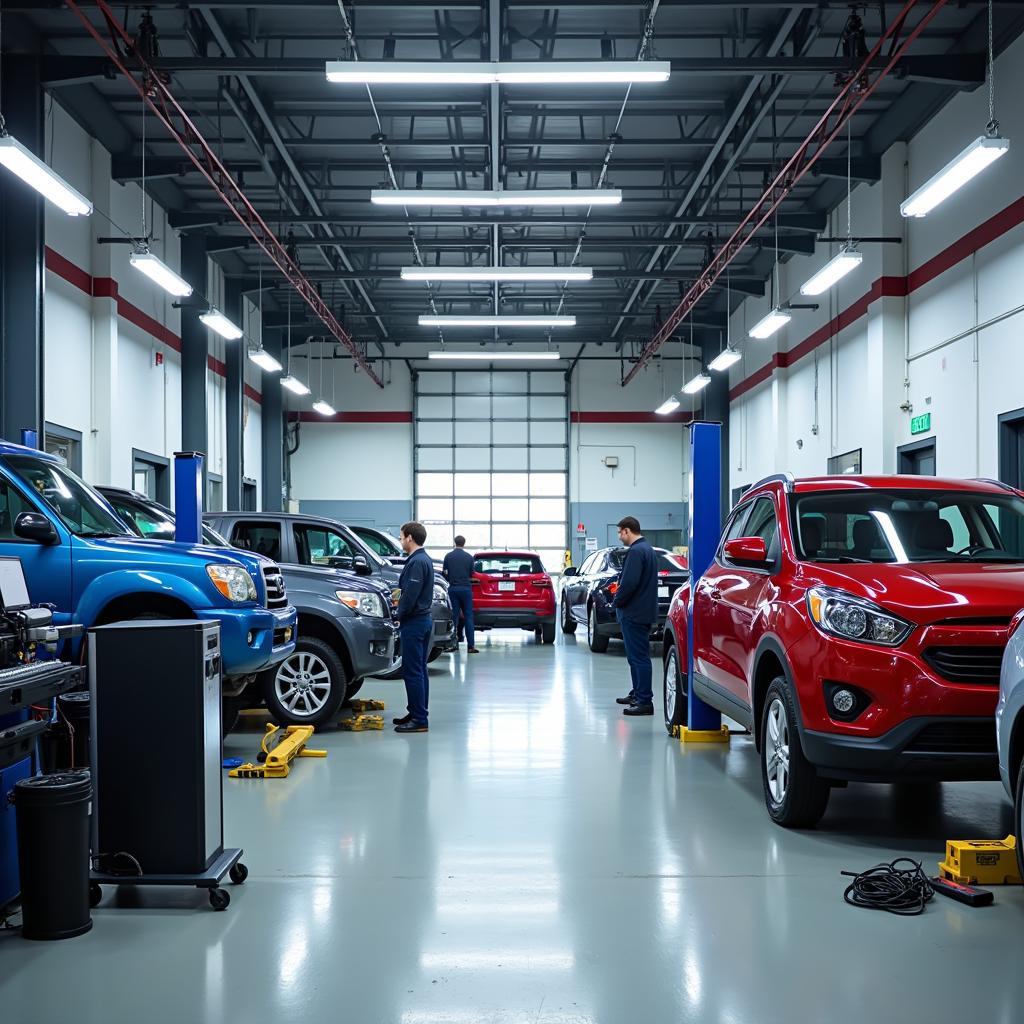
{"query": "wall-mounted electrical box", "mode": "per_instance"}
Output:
(611, 461)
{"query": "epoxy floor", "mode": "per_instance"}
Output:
(538, 858)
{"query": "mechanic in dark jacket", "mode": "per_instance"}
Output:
(636, 608)
(417, 586)
(458, 570)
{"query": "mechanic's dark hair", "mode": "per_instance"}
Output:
(630, 523)
(460, 541)
(417, 531)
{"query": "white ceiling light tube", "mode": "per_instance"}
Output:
(726, 358)
(698, 383)
(495, 197)
(37, 173)
(294, 385)
(668, 406)
(218, 322)
(264, 360)
(845, 261)
(158, 271)
(392, 72)
(768, 325)
(497, 273)
(324, 408)
(493, 357)
(984, 150)
(497, 321)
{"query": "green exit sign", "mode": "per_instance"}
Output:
(921, 424)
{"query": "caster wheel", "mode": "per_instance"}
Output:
(95, 894)
(239, 873)
(219, 899)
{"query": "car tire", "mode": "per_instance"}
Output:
(595, 641)
(793, 794)
(547, 633)
(674, 692)
(308, 687)
(353, 689)
(569, 624)
(435, 653)
(1018, 816)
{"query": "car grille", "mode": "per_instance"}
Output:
(956, 738)
(965, 664)
(277, 596)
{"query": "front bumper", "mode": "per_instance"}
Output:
(444, 626)
(372, 645)
(253, 639)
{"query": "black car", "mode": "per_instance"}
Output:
(587, 593)
(346, 627)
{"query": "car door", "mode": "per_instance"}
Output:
(578, 588)
(261, 536)
(320, 545)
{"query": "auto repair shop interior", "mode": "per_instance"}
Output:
(283, 282)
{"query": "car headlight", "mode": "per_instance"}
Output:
(233, 582)
(440, 597)
(362, 602)
(853, 618)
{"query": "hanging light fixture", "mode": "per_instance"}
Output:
(493, 357)
(729, 356)
(157, 271)
(263, 359)
(390, 72)
(698, 383)
(35, 172)
(768, 325)
(321, 406)
(294, 385)
(668, 406)
(495, 197)
(497, 273)
(218, 322)
(497, 321)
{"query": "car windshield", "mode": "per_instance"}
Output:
(910, 526)
(517, 565)
(72, 500)
(149, 521)
(382, 544)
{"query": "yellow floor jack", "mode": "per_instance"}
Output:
(277, 753)
(360, 721)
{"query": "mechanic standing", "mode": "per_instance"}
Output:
(417, 586)
(458, 571)
(636, 608)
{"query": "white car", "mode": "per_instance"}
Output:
(1010, 727)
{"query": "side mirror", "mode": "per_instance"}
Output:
(570, 570)
(35, 527)
(747, 550)
(361, 566)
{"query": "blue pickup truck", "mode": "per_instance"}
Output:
(83, 560)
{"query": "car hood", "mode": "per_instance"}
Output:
(929, 592)
(337, 578)
(154, 551)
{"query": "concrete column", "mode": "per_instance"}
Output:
(272, 423)
(194, 351)
(234, 399)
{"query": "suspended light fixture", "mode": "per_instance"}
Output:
(218, 322)
(263, 359)
(158, 271)
(668, 406)
(35, 172)
(495, 197)
(294, 385)
(390, 72)
(321, 406)
(493, 357)
(768, 325)
(497, 273)
(497, 321)
(726, 358)
(845, 261)
(698, 383)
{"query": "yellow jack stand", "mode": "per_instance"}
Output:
(360, 723)
(981, 861)
(720, 735)
(277, 759)
(359, 706)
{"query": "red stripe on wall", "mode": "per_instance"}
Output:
(629, 417)
(352, 417)
(885, 287)
(106, 288)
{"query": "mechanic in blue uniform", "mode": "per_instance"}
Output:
(417, 626)
(636, 608)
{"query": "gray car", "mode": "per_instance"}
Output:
(1010, 727)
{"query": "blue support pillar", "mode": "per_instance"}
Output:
(705, 531)
(188, 497)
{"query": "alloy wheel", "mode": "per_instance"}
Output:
(671, 693)
(776, 751)
(303, 683)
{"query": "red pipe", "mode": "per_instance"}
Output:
(160, 100)
(847, 102)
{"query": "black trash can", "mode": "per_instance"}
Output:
(53, 854)
(75, 709)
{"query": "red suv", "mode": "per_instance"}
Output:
(511, 588)
(856, 626)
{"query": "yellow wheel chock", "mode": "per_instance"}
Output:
(360, 723)
(359, 706)
(981, 861)
(277, 757)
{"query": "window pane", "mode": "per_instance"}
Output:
(434, 408)
(547, 458)
(508, 382)
(435, 381)
(478, 535)
(550, 383)
(434, 508)
(473, 458)
(440, 536)
(473, 380)
(472, 408)
(553, 558)
(472, 485)
(547, 432)
(510, 535)
(472, 433)
(472, 509)
(547, 536)
(263, 538)
(513, 432)
(428, 432)
(509, 408)
(547, 485)
(511, 458)
(552, 407)
(434, 485)
(506, 509)
(550, 509)
(434, 458)
(509, 484)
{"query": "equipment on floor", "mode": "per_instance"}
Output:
(962, 893)
(277, 752)
(359, 706)
(900, 887)
(361, 723)
(981, 861)
(156, 756)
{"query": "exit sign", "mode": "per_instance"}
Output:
(921, 424)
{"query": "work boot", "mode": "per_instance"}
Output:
(401, 721)
(628, 699)
(639, 709)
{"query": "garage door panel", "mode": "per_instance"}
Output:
(472, 458)
(434, 407)
(511, 433)
(434, 433)
(542, 432)
(507, 408)
(548, 407)
(434, 458)
(472, 433)
(511, 458)
(472, 408)
(547, 458)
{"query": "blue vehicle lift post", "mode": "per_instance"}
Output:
(188, 497)
(704, 723)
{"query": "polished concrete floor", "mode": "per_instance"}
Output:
(538, 858)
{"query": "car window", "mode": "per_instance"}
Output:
(320, 545)
(517, 565)
(262, 537)
(148, 523)
(735, 526)
(377, 544)
(588, 564)
(762, 522)
(12, 504)
(954, 515)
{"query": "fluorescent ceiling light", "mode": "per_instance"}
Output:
(836, 269)
(497, 273)
(262, 358)
(698, 383)
(497, 321)
(324, 408)
(495, 197)
(35, 172)
(972, 161)
(156, 270)
(294, 385)
(774, 321)
(217, 321)
(726, 358)
(669, 405)
(589, 72)
(493, 357)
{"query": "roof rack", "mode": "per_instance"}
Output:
(996, 483)
(786, 479)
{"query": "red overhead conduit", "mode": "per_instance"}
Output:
(843, 107)
(171, 114)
